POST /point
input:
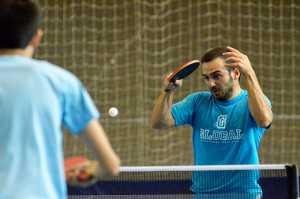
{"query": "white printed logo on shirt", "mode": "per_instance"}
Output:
(221, 122)
(221, 135)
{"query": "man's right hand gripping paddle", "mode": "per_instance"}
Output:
(174, 80)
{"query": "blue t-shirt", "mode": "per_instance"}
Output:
(36, 99)
(224, 133)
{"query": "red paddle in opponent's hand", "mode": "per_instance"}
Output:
(74, 163)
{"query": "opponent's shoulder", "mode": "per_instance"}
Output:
(59, 78)
(53, 72)
(50, 68)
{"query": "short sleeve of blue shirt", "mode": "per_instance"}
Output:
(79, 107)
(183, 111)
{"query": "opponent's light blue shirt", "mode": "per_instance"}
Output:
(224, 133)
(36, 99)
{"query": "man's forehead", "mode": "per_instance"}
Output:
(213, 66)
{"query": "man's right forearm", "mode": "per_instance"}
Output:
(162, 117)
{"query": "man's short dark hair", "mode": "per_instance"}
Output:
(215, 53)
(19, 21)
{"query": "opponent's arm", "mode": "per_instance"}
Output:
(162, 117)
(259, 107)
(95, 139)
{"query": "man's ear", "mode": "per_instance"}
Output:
(236, 74)
(36, 39)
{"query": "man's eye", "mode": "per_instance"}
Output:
(216, 76)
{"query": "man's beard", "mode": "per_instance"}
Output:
(223, 95)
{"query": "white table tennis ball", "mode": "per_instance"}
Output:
(113, 112)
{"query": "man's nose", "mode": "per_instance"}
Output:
(211, 83)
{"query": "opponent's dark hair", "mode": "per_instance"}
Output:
(19, 21)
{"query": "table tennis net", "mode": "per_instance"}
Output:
(208, 182)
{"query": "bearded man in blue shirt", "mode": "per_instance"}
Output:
(228, 122)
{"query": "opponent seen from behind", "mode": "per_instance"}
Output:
(36, 99)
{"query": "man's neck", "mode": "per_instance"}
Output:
(236, 91)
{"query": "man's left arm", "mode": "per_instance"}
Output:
(258, 104)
